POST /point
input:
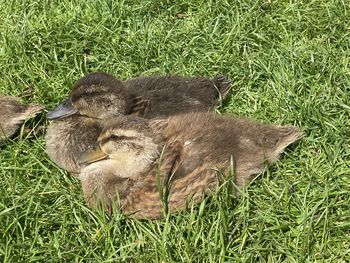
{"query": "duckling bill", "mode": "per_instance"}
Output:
(63, 110)
(197, 145)
(92, 155)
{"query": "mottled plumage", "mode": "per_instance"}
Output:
(100, 97)
(13, 114)
(198, 145)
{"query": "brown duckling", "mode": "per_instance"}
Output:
(13, 114)
(98, 97)
(98, 94)
(199, 145)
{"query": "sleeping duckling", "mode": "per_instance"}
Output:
(199, 145)
(13, 114)
(98, 94)
(98, 97)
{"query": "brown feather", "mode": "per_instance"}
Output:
(13, 114)
(100, 97)
(199, 145)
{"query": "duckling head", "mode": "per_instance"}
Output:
(97, 95)
(130, 143)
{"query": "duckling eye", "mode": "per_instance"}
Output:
(114, 137)
(121, 137)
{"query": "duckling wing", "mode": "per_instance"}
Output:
(148, 198)
(172, 189)
(146, 201)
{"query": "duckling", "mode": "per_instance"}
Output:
(100, 96)
(13, 114)
(199, 145)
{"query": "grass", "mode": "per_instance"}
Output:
(289, 62)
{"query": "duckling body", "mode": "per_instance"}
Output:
(205, 143)
(212, 140)
(171, 95)
(100, 96)
(13, 114)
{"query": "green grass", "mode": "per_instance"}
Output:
(290, 64)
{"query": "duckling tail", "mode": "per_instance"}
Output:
(223, 84)
(32, 110)
(287, 136)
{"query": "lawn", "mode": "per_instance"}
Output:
(290, 64)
